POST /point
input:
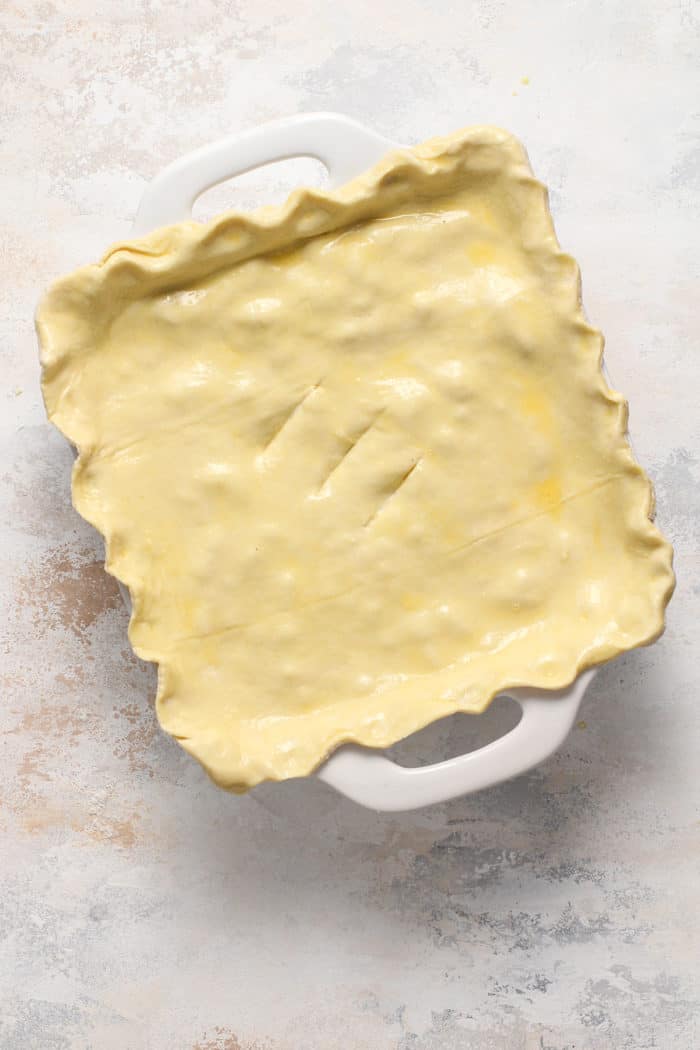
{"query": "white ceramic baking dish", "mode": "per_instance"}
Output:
(369, 777)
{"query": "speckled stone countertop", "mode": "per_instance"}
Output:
(141, 907)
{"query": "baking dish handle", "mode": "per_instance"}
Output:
(371, 779)
(345, 148)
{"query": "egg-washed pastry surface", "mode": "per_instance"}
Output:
(354, 459)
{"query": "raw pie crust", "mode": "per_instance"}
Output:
(354, 458)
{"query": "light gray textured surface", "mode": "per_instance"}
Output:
(140, 907)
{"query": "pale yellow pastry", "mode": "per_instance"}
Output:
(355, 459)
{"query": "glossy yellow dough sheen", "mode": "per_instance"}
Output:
(354, 458)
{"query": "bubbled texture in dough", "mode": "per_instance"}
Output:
(355, 459)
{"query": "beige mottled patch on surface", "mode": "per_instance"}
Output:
(136, 743)
(40, 815)
(65, 587)
(64, 728)
(220, 1041)
(224, 1039)
(62, 722)
(123, 833)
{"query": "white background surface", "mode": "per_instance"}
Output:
(140, 907)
